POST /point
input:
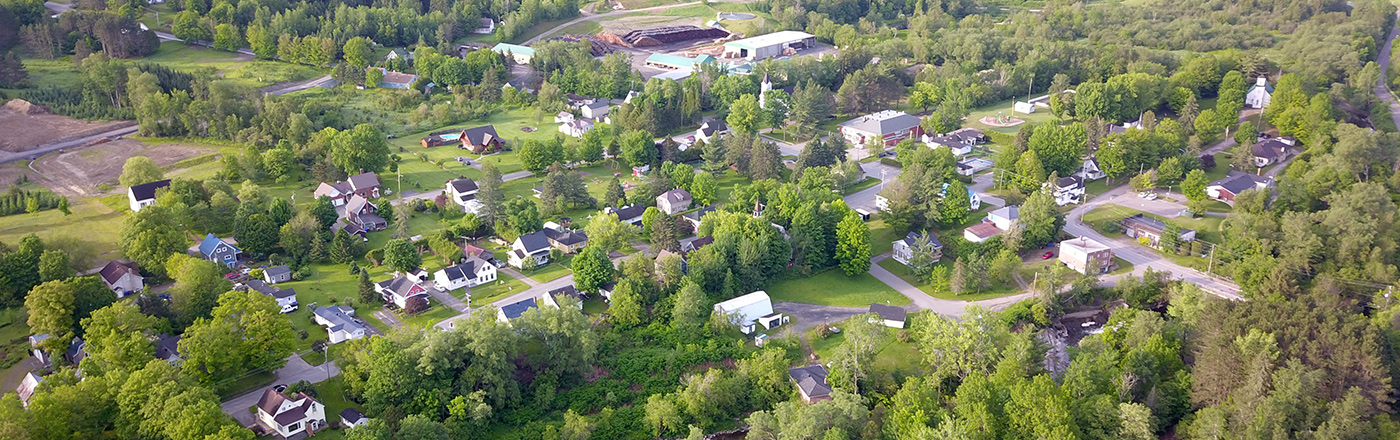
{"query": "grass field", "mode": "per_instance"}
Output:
(1104, 219)
(94, 223)
(903, 273)
(1041, 115)
(902, 358)
(833, 288)
(503, 287)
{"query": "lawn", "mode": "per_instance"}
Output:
(860, 186)
(902, 271)
(332, 284)
(550, 272)
(833, 288)
(894, 356)
(882, 237)
(331, 392)
(1106, 218)
(504, 286)
(1004, 107)
(92, 223)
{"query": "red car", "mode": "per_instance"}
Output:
(1047, 255)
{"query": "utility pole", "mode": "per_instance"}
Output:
(1211, 265)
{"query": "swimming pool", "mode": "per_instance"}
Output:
(451, 136)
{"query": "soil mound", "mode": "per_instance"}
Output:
(22, 107)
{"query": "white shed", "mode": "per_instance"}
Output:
(751, 310)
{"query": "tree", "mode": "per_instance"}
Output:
(535, 156)
(54, 265)
(592, 268)
(609, 233)
(401, 218)
(856, 355)
(1041, 219)
(418, 427)
(638, 148)
(226, 37)
(704, 189)
(246, 331)
(970, 346)
(615, 196)
(524, 216)
(1170, 171)
(151, 236)
(361, 149)
(627, 309)
(118, 339)
(691, 309)
(489, 192)
(357, 52)
(853, 244)
(139, 170)
(402, 256)
(745, 116)
(957, 205)
(345, 249)
(50, 308)
(1194, 188)
(259, 235)
(189, 27)
(198, 284)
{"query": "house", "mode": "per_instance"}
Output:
(471, 273)
(1086, 256)
(696, 244)
(710, 130)
(462, 192)
(750, 311)
(517, 53)
(360, 217)
(123, 277)
(555, 297)
(1090, 170)
(168, 348)
(888, 127)
(364, 185)
(628, 214)
(534, 246)
(396, 80)
(488, 26)
(1067, 190)
(974, 201)
(1140, 226)
(277, 274)
(511, 311)
(641, 170)
(1235, 183)
(674, 201)
(697, 216)
(351, 417)
(482, 140)
(1258, 96)
(39, 353)
(27, 386)
(399, 290)
(960, 141)
(576, 127)
(340, 323)
(596, 110)
(1272, 151)
(473, 251)
(288, 416)
(904, 248)
(666, 253)
(811, 382)
(219, 251)
(1004, 217)
(77, 351)
(565, 240)
(399, 54)
(563, 117)
(606, 290)
(286, 298)
(890, 316)
(143, 195)
(973, 165)
(980, 232)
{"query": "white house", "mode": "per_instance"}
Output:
(1235, 183)
(1023, 107)
(886, 127)
(890, 316)
(904, 248)
(123, 277)
(534, 246)
(674, 201)
(576, 127)
(1086, 256)
(288, 416)
(556, 297)
(596, 110)
(351, 417)
(399, 289)
(143, 195)
(27, 386)
(462, 191)
(710, 130)
(511, 311)
(340, 323)
(1090, 170)
(1004, 217)
(563, 117)
(277, 274)
(1068, 190)
(750, 311)
(488, 26)
(959, 141)
(1258, 96)
(472, 273)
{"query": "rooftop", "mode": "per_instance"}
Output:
(766, 40)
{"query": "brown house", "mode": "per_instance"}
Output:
(482, 140)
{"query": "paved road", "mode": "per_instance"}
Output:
(865, 199)
(940, 306)
(1229, 141)
(296, 370)
(50, 147)
(1383, 92)
(561, 27)
(166, 36)
(980, 184)
(516, 175)
(1143, 258)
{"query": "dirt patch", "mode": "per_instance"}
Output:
(80, 170)
(27, 126)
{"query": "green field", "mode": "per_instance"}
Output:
(833, 288)
(1103, 219)
(903, 273)
(897, 357)
(1041, 115)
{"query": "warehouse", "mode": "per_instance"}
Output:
(776, 44)
(677, 62)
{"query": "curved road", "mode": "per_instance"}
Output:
(1383, 92)
(561, 27)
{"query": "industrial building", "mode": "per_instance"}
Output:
(776, 44)
(665, 61)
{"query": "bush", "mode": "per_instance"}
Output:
(822, 331)
(902, 336)
(302, 386)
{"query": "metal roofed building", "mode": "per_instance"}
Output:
(770, 45)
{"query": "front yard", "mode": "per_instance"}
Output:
(833, 288)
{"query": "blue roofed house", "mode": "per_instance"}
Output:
(219, 251)
(511, 311)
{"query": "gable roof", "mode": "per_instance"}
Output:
(568, 290)
(1271, 148)
(271, 401)
(471, 250)
(534, 242)
(888, 312)
(481, 135)
(463, 185)
(260, 286)
(147, 191)
(630, 212)
(392, 77)
(114, 270)
(812, 380)
(710, 127)
(363, 181)
(1069, 182)
(698, 215)
(338, 318)
(913, 237)
(468, 269)
(566, 237)
(211, 243)
(353, 415)
(1236, 184)
(698, 243)
(513, 311)
(401, 286)
(278, 270)
(596, 105)
(882, 123)
(1011, 212)
(678, 195)
(167, 346)
(984, 229)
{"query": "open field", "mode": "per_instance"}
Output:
(1004, 107)
(79, 171)
(902, 271)
(243, 69)
(833, 288)
(898, 357)
(26, 131)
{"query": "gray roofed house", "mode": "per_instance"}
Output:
(511, 311)
(695, 217)
(463, 185)
(1235, 183)
(1141, 226)
(628, 214)
(481, 139)
(143, 195)
(77, 351)
(351, 417)
(887, 127)
(123, 277)
(290, 416)
(567, 241)
(470, 273)
(27, 386)
(340, 323)
(277, 274)
(890, 316)
(904, 248)
(674, 201)
(530, 246)
(168, 348)
(811, 382)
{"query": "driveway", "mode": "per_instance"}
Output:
(812, 315)
(980, 184)
(1141, 257)
(296, 370)
(865, 199)
(923, 301)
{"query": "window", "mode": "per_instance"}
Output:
(294, 427)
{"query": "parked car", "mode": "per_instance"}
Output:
(1142, 195)
(1047, 255)
(1151, 196)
